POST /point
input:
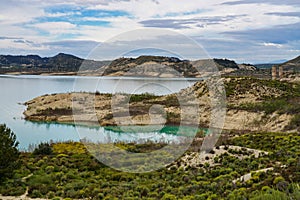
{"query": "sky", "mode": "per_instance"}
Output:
(247, 31)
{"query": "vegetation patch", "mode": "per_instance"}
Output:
(71, 172)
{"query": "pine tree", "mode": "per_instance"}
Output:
(9, 154)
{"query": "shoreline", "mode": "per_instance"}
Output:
(97, 74)
(108, 76)
(96, 109)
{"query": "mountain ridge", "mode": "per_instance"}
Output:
(60, 63)
(35, 64)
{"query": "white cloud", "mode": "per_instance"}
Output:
(57, 27)
(60, 14)
(206, 19)
(144, 9)
(270, 44)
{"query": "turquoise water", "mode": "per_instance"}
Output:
(15, 90)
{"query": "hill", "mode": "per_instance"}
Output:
(36, 64)
(159, 66)
(292, 65)
(295, 61)
(153, 66)
(264, 66)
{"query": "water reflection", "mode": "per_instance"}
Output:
(16, 90)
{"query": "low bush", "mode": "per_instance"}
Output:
(43, 149)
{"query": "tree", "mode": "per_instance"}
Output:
(43, 149)
(9, 153)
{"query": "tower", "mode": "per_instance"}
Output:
(274, 72)
(281, 73)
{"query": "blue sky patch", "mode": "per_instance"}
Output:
(79, 15)
(79, 21)
(76, 11)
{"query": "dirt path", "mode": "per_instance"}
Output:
(22, 197)
(248, 176)
(18, 198)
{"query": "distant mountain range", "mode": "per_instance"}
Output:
(265, 65)
(292, 65)
(34, 64)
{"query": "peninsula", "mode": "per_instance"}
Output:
(252, 104)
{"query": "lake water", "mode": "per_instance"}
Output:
(15, 90)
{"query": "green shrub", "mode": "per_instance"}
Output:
(270, 195)
(13, 190)
(36, 194)
(49, 169)
(265, 188)
(73, 177)
(169, 197)
(278, 179)
(50, 195)
(43, 149)
(141, 97)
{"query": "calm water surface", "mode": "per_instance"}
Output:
(15, 90)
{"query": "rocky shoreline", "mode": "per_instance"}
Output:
(146, 109)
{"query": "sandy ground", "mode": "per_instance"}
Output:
(248, 176)
(18, 198)
(196, 159)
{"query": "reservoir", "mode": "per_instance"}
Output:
(17, 89)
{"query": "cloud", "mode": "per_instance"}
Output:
(270, 44)
(9, 38)
(24, 41)
(249, 51)
(80, 15)
(188, 23)
(56, 29)
(278, 34)
(143, 41)
(224, 26)
(79, 48)
(168, 23)
(288, 14)
(275, 2)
